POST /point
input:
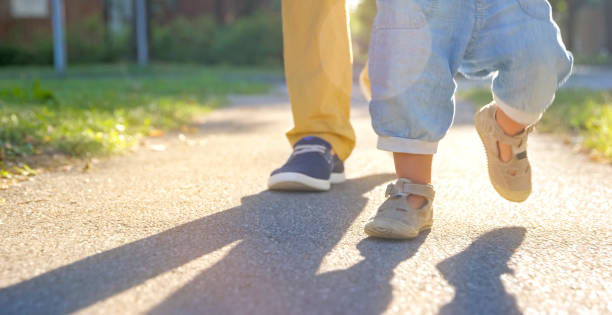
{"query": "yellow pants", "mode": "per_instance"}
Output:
(318, 68)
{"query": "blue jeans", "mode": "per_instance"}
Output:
(418, 46)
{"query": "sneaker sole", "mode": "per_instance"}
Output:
(510, 195)
(301, 182)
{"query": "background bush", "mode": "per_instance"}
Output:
(39, 53)
(184, 40)
(88, 42)
(251, 40)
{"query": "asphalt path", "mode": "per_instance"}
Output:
(186, 225)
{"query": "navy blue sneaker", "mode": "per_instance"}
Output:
(311, 166)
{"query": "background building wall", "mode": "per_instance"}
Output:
(23, 30)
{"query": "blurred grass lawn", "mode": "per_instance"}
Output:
(576, 112)
(100, 110)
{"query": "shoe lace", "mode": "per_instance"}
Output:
(306, 148)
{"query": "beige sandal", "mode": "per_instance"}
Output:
(512, 179)
(395, 218)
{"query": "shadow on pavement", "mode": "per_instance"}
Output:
(475, 273)
(227, 288)
(283, 238)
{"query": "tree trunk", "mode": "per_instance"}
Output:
(608, 23)
(106, 7)
(133, 46)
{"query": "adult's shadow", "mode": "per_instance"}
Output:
(475, 273)
(283, 237)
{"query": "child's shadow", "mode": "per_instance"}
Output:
(273, 270)
(281, 239)
(475, 273)
(231, 287)
(364, 288)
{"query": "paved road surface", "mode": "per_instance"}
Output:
(192, 229)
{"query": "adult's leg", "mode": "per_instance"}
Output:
(318, 69)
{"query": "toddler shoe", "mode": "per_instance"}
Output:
(512, 179)
(395, 218)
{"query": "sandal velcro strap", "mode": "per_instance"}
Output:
(499, 134)
(405, 187)
(502, 137)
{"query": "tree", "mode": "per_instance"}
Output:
(608, 15)
(567, 11)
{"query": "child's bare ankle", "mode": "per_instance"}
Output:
(511, 128)
(507, 124)
(415, 167)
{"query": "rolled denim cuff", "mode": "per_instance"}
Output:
(403, 145)
(517, 115)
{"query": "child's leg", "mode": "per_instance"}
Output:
(417, 168)
(511, 128)
(524, 46)
(413, 58)
(527, 51)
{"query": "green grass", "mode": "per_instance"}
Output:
(101, 110)
(575, 111)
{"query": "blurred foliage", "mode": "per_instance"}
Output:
(223, 11)
(581, 112)
(88, 42)
(252, 40)
(562, 6)
(38, 53)
(255, 38)
(83, 115)
(361, 24)
(177, 41)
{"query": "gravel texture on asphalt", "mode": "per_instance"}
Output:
(186, 225)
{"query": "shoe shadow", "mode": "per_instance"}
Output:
(283, 239)
(475, 273)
